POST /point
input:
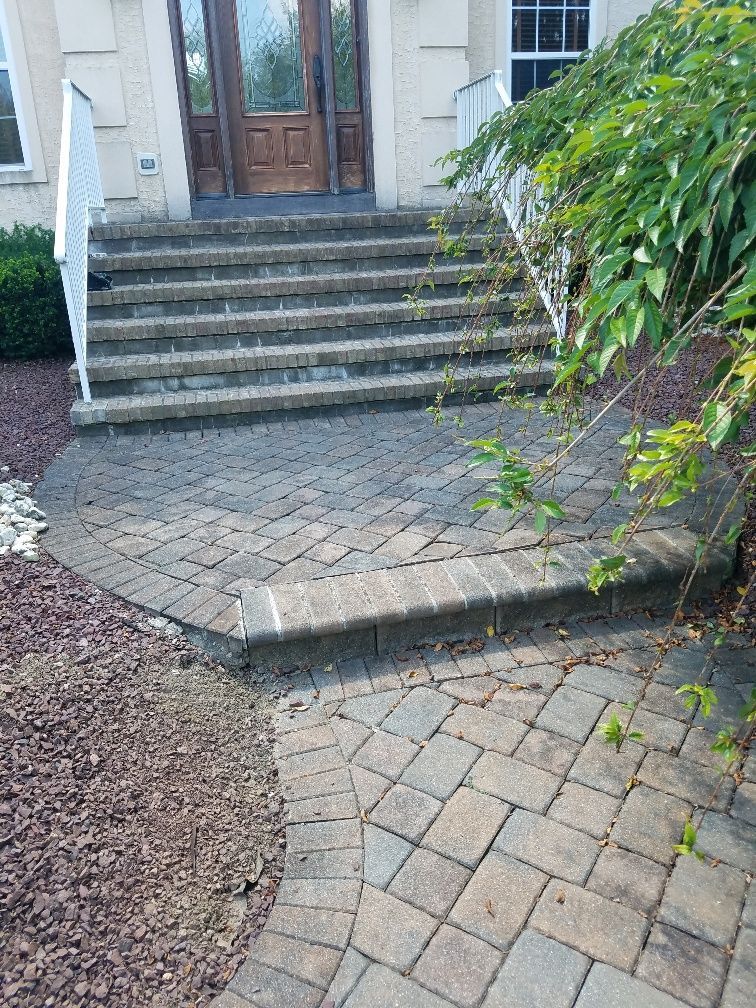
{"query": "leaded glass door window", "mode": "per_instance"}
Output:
(284, 86)
(546, 36)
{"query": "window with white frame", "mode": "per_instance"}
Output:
(11, 147)
(547, 35)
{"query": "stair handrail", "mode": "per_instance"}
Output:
(476, 103)
(79, 194)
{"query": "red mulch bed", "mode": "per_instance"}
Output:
(141, 825)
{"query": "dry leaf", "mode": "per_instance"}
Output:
(363, 815)
(490, 631)
(561, 896)
(299, 705)
(489, 907)
(328, 668)
(516, 686)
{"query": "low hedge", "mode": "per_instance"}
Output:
(33, 316)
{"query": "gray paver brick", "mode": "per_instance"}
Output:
(385, 853)
(649, 823)
(690, 781)
(430, 882)
(497, 900)
(547, 751)
(386, 754)
(466, 826)
(484, 729)
(351, 968)
(520, 705)
(312, 836)
(730, 839)
(338, 864)
(572, 713)
(419, 714)
(476, 690)
(628, 878)
(457, 966)
(744, 803)
(741, 979)
(584, 809)
(371, 709)
(704, 900)
(395, 992)
(369, 787)
(599, 766)
(538, 971)
(595, 926)
(607, 987)
(676, 962)
(441, 766)
(314, 964)
(326, 894)
(548, 845)
(605, 682)
(272, 988)
(514, 782)
(390, 930)
(406, 811)
(322, 927)
(309, 810)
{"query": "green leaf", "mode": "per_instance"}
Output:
(553, 509)
(655, 281)
(539, 521)
(717, 420)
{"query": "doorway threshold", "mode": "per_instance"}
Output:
(290, 205)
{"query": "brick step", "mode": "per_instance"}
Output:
(137, 374)
(253, 261)
(234, 330)
(226, 407)
(359, 615)
(264, 231)
(278, 293)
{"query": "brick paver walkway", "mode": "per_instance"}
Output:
(460, 836)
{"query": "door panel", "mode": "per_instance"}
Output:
(277, 135)
(350, 147)
(194, 57)
(259, 110)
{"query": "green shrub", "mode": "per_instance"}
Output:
(33, 317)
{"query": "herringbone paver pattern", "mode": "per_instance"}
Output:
(457, 850)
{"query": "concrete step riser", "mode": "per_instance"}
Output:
(193, 306)
(202, 418)
(106, 343)
(273, 271)
(259, 239)
(287, 376)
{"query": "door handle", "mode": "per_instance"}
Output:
(317, 77)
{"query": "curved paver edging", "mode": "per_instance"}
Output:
(209, 618)
(303, 941)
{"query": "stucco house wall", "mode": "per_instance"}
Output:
(119, 52)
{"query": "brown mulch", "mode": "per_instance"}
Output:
(35, 422)
(141, 824)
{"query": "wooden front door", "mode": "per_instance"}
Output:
(273, 96)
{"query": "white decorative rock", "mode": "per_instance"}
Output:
(21, 521)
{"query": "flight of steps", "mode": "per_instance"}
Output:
(211, 323)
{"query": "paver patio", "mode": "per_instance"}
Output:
(459, 836)
(185, 524)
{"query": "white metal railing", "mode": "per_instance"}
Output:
(79, 193)
(476, 103)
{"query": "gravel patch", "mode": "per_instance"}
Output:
(141, 823)
(35, 422)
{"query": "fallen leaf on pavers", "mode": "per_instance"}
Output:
(459, 735)
(516, 686)
(489, 907)
(488, 696)
(534, 685)
(631, 782)
(561, 896)
(299, 705)
(490, 631)
(438, 647)
(413, 673)
(563, 632)
(423, 743)
(328, 668)
(363, 815)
